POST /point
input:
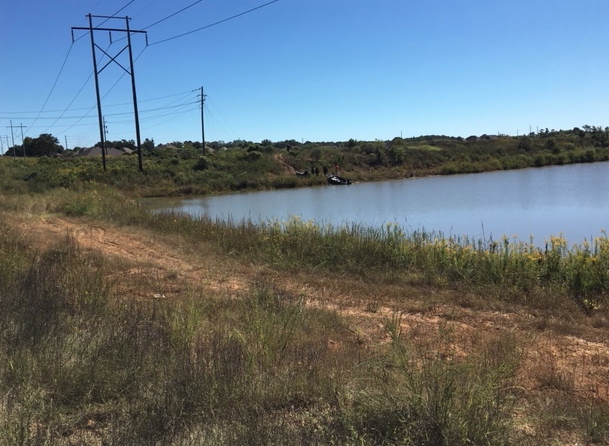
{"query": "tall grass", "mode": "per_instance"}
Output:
(80, 364)
(429, 395)
(580, 271)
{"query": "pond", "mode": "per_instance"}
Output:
(559, 200)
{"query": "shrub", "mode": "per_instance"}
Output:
(253, 156)
(202, 163)
(431, 398)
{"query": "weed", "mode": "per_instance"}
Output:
(434, 400)
(516, 268)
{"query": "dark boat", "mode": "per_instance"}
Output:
(338, 181)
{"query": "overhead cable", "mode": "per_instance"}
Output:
(92, 108)
(215, 23)
(71, 102)
(170, 119)
(183, 109)
(184, 93)
(77, 94)
(57, 118)
(114, 15)
(54, 84)
(175, 13)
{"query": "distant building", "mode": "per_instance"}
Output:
(96, 151)
(167, 146)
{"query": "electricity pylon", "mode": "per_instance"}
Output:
(91, 30)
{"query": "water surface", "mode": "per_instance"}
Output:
(569, 200)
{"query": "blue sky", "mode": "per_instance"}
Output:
(317, 70)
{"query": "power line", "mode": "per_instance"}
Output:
(174, 117)
(110, 17)
(164, 112)
(71, 102)
(154, 109)
(54, 84)
(174, 14)
(88, 108)
(192, 107)
(129, 71)
(116, 114)
(108, 92)
(114, 15)
(145, 8)
(215, 23)
(122, 75)
(79, 91)
(217, 110)
(170, 15)
(62, 126)
(158, 21)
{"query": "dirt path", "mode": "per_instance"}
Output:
(146, 266)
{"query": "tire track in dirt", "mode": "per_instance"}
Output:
(141, 254)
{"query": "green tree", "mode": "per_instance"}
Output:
(600, 136)
(379, 151)
(45, 145)
(525, 143)
(148, 145)
(396, 151)
(551, 145)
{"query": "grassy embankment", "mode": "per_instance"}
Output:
(81, 361)
(247, 166)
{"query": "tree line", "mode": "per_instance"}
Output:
(391, 152)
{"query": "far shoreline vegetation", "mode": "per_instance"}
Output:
(181, 168)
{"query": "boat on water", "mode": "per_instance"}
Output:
(337, 181)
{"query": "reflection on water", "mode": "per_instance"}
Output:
(571, 200)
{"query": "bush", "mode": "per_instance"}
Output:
(201, 164)
(253, 156)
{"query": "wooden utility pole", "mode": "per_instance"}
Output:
(97, 96)
(8, 143)
(12, 136)
(22, 142)
(202, 96)
(20, 126)
(135, 112)
(105, 135)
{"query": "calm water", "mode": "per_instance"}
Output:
(572, 200)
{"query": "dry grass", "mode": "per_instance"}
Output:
(209, 347)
